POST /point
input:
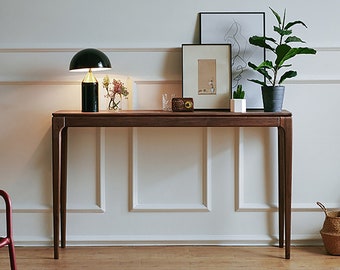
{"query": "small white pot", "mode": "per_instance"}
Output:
(238, 105)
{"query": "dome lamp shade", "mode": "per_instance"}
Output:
(89, 59)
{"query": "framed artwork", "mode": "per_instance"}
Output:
(235, 28)
(207, 75)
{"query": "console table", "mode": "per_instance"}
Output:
(62, 120)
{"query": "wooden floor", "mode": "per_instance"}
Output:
(171, 257)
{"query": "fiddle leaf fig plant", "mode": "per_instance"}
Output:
(282, 50)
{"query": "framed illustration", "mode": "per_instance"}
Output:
(235, 28)
(207, 75)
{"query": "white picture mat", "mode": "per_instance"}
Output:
(191, 54)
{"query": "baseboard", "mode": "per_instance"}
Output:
(191, 240)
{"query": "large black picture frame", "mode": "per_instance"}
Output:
(235, 28)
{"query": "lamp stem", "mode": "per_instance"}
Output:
(89, 87)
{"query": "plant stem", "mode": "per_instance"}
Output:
(276, 68)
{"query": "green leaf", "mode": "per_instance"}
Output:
(252, 65)
(281, 52)
(276, 15)
(294, 39)
(284, 66)
(290, 24)
(282, 32)
(239, 93)
(259, 82)
(266, 64)
(295, 51)
(261, 42)
(287, 75)
(261, 69)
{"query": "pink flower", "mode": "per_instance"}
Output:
(116, 87)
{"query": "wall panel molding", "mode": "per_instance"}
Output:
(99, 205)
(71, 82)
(242, 206)
(152, 82)
(121, 49)
(204, 205)
(320, 81)
(53, 54)
(75, 50)
(33, 83)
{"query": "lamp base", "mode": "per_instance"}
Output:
(89, 96)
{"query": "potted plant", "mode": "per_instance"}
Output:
(273, 72)
(238, 102)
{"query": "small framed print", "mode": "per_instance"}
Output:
(206, 75)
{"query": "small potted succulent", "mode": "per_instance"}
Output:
(238, 102)
(281, 48)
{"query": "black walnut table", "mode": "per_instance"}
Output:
(62, 120)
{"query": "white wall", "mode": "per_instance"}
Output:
(173, 201)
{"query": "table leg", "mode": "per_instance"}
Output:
(63, 186)
(288, 182)
(281, 164)
(56, 203)
(285, 184)
(57, 126)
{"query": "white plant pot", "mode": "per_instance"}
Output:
(238, 105)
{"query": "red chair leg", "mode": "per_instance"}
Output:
(11, 250)
(9, 238)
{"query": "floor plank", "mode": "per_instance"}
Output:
(171, 258)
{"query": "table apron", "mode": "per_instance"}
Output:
(171, 122)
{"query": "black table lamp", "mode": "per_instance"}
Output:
(89, 60)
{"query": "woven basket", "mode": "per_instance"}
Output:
(330, 231)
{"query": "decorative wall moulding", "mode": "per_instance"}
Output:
(73, 50)
(100, 202)
(242, 205)
(320, 81)
(203, 206)
(30, 83)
